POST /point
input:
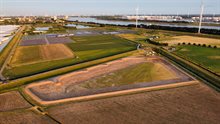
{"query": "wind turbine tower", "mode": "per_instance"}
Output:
(137, 16)
(201, 16)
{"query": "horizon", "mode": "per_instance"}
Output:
(104, 7)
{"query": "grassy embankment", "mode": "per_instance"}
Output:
(193, 68)
(141, 73)
(26, 80)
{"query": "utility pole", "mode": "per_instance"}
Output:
(137, 16)
(201, 16)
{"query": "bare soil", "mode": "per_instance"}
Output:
(24, 117)
(11, 101)
(56, 51)
(197, 104)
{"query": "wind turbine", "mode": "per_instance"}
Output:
(137, 16)
(201, 16)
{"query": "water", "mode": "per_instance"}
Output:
(3, 44)
(42, 28)
(77, 26)
(6, 34)
(88, 19)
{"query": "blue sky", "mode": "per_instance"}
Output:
(88, 7)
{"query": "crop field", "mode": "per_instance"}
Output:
(193, 39)
(191, 104)
(123, 74)
(43, 39)
(103, 42)
(55, 40)
(98, 31)
(33, 42)
(133, 37)
(11, 101)
(24, 117)
(33, 54)
(86, 48)
(206, 57)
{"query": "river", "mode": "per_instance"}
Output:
(89, 19)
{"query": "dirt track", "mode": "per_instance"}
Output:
(52, 91)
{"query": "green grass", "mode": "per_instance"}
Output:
(209, 58)
(27, 54)
(45, 75)
(140, 73)
(86, 48)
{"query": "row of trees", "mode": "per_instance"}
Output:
(194, 44)
(156, 43)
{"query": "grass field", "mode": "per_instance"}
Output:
(85, 49)
(141, 73)
(191, 105)
(92, 47)
(11, 101)
(133, 37)
(34, 54)
(207, 57)
(103, 42)
(192, 39)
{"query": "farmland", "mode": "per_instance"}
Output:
(172, 95)
(84, 48)
(34, 54)
(107, 77)
(43, 40)
(24, 117)
(191, 104)
(193, 39)
(133, 37)
(206, 57)
(11, 101)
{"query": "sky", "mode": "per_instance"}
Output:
(105, 7)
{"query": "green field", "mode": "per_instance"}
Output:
(98, 46)
(141, 73)
(27, 54)
(206, 57)
(85, 48)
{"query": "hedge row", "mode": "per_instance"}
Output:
(37, 77)
(194, 44)
(204, 74)
(156, 43)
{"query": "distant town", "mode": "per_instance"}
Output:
(215, 19)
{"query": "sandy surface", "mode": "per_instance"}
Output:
(196, 104)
